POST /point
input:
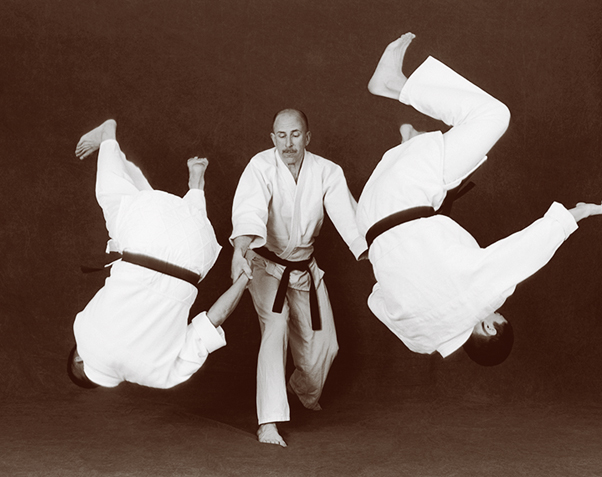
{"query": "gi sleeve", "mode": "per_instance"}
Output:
(341, 207)
(201, 339)
(250, 206)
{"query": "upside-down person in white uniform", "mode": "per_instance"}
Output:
(136, 326)
(437, 289)
(277, 213)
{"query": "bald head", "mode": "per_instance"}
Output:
(294, 113)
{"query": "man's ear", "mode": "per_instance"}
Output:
(490, 329)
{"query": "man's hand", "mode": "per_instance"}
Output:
(239, 266)
(583, 210)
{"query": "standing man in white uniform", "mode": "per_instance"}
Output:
(135, 328)
(277, 213)
(437, 289)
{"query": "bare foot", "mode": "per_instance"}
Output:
(91, 141)
(196, 169)
(408, 132)
(388, 78)
(583, 210)
(268, 434)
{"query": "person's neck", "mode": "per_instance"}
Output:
(295, 168)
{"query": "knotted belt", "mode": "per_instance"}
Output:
(414, 213)
(152, 264)
(302, 266)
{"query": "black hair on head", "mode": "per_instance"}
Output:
(493, 350)
(81, 382)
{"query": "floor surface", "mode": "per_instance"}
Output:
(185, 78)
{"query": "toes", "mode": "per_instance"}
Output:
(274, 442)
(198, 160)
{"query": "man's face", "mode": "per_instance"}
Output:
(290, 137)
(485, 328)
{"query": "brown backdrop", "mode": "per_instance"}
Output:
(187, 78)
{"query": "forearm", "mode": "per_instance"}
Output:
(241, 244)
(341, 208)
(226, 303)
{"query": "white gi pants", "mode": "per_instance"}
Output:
(313, 351)
(478, 119)
(116, 177)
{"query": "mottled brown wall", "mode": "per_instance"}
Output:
(187, 78)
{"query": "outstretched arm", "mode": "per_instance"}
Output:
(226, 303)
(204, 334)
(583, 210)
(341, 208)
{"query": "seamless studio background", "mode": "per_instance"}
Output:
(204, 78)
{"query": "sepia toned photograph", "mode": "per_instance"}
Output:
(301, 238)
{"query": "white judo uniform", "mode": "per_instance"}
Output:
(286, 217)
(136, 327)
(434, 281)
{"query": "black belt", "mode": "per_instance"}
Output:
(414, 213)
(396, 219)
(152, 264)
(302, 266)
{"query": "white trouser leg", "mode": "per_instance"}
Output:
(478, 119)
(313, 351)
(115, 178)
(272, 402)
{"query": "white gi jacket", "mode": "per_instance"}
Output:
(287, 216)
(135, 328)
(434, 281)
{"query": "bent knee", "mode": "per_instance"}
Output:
(332, 349)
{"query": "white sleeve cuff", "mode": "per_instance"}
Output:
(257, 231)
(213, 338)
(561, 215)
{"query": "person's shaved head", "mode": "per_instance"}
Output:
(293, 112)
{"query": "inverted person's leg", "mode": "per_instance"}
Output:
(116, 177)
(388, 79)
(478, 120)
(196, 183)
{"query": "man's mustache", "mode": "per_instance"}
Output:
(289, 151)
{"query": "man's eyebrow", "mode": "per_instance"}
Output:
(284, 132)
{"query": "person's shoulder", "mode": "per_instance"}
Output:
(264, 159)
(323, 162)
